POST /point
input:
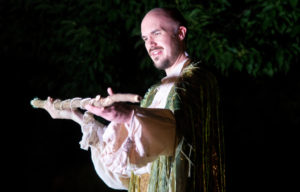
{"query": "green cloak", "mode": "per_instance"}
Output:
(198, 164)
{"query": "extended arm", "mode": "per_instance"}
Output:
(77, 102)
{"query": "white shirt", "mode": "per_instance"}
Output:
(119, 149)
(160, 99)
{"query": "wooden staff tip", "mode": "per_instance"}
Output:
(33, 102)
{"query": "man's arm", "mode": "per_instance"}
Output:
(151, 132)
(92, 131)
(71, 114)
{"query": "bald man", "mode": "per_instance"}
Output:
(173, 141)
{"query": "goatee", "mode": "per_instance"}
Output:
(162, 65)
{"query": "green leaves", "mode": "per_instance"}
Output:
(293, 3)
(93, 43)
(254, 36)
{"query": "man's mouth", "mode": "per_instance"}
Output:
(155, 51)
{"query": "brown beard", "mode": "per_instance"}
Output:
(163, 65)
(166, 63)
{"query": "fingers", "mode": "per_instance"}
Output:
(48, 103)
(89, 108)
(110, 91)
(49, 99)
(93, 109)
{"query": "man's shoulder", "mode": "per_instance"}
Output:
(198, 67)
(191, 69)
(149, 95)
(197, 75)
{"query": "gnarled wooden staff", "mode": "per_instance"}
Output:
(77, 102)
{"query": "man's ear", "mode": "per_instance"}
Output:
(181, 32)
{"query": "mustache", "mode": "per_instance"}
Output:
(154, 48)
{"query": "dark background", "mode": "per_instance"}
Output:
(75, 48)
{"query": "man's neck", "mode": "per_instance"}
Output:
(180, 59)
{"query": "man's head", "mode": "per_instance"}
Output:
(164, 32)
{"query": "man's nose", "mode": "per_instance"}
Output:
(152, 42)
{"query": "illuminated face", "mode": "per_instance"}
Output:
(159, 33)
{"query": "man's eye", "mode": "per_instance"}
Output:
(157, 33)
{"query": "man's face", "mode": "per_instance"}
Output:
(160, 35)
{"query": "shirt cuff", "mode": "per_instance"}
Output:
(92, 131)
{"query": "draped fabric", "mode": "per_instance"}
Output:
(198, 163)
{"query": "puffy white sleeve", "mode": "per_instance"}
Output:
(92, 134)
(120, 149)
(153, 133)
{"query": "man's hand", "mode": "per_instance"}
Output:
(75, 114)
(118, 112)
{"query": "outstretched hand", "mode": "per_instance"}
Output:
(118, 112)
(72, 114)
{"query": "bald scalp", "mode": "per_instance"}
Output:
(160, 13)
(170, 13)
(173, 18)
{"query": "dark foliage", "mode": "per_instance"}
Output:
(79, 48)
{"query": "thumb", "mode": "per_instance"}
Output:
(110, 91)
